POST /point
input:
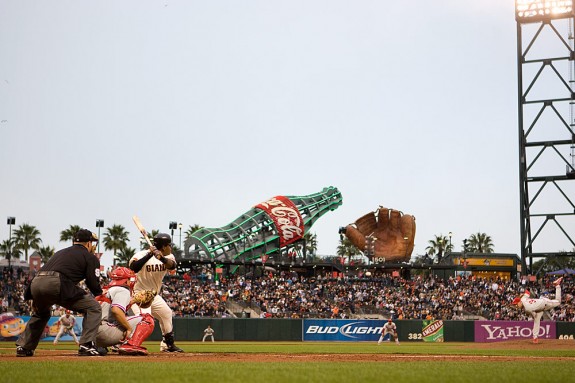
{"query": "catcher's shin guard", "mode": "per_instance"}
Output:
(143, 330)
(168, 344)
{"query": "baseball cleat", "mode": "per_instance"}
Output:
(535, 341)
(172, 348)
(128, 349)
(21, 351)
(88, 349)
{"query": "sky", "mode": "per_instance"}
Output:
(195, 111)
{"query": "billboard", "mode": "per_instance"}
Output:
(497, 331)
(13, 326)
(342, 330)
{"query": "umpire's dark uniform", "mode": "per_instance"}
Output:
(56, 283)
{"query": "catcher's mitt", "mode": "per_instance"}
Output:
(394, 233)
(144, 298)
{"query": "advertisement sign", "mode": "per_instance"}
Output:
(286, 217)
(342, 330)
(432, 330)
(501, 262)
(13, 326)
(497, 331)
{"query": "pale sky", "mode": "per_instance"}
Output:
(194, 111)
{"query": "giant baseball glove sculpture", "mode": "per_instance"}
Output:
(144, 298)
(394, 233)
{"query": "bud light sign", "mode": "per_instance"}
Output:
(497, 331)
(342, 330)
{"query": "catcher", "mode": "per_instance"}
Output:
(116, 327)
(392, 234)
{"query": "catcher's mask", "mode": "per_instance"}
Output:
(122, 276)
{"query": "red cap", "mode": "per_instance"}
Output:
(516, 301)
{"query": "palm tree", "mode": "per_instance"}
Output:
(191, 229)
(124, 255)
(439, 245)
(346, 248)
(144, 244)
(310, 241)
(480, 243)
(27, 237)
(45, 252)
(177, 251)
(115, 238)
(8, 250)
(68, 234)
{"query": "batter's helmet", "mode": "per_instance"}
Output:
(161, 240)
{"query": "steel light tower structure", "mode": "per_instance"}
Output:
(546, 104)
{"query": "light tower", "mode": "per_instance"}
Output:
(546, 102)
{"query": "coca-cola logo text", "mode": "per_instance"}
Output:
(286, 217)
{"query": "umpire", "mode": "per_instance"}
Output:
(56, 283)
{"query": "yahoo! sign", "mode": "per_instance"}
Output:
(497, 331)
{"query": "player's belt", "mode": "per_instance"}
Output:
(48, 273)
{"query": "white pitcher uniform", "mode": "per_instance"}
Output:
(537, 306)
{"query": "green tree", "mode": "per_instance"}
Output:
(68, 234)
(439, 246)
(480, 243)
(177, 251)
(46, 252)
(123, 256)
(115, 239)
(346, 248)
(151, 234)
(27, 237)
(552, 263)
(191, 229)
(9, 251)
(310, 243)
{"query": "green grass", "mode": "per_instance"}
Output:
(539, 367)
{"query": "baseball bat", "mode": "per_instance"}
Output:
(141, 229)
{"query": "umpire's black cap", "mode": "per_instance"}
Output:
(85, 235)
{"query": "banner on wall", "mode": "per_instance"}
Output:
(432, 330)
(342, 330)
(497, 331)
(12, 326)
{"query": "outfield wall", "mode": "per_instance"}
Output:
(328, 330)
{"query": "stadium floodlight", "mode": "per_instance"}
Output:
(531, 11)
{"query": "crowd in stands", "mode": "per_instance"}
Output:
(200, 293)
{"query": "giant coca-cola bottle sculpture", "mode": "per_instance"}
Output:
(264, 232)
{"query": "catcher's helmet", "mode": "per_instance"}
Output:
(122, 276)
(161, 240)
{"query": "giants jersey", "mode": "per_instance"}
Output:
(151, 275)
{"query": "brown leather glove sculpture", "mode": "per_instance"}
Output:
(394, 234)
